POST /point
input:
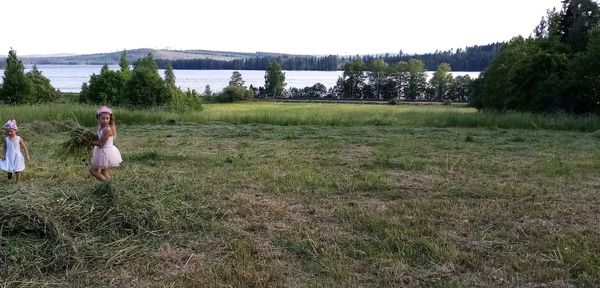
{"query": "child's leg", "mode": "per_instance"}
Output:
(9, 175)
(96, 173)
(17, 177)
(105, 173)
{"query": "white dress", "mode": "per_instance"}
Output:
(106, 156)
(14, 161)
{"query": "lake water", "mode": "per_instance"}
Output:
(69, 78)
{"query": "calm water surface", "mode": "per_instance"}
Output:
(69, 78)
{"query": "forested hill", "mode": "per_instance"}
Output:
(474, 58)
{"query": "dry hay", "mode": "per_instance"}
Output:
(31, 236)
(78, 143)
(77, 231)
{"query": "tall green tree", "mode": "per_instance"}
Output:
(353, 79)
(399, 78)
(207, 91)
(124, 62)
(440, 83)
(460, 89)
(417, 80)
(236, 79)
(106, 88)
(576, 20)
(274, 80)
(16, 87)
(377, 74)
(553, 72)
(583, 89)
(170, 76)
(146, 88)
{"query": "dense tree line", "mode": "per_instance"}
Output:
(402, 81)
(556, 70)
(141, 86)
(474, 58)
(19, 87)
(326, 63)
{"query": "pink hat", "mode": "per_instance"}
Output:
(103, 109)
(11, 124)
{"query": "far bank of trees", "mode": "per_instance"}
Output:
(143, 87)
(555, 70)
(402, 81)
(474, 58)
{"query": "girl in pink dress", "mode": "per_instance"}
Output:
(105, 154)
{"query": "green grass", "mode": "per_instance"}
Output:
(220, 204)
(292, 114)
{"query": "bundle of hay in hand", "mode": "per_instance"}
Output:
(78, 143)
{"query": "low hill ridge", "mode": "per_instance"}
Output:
(112, 58)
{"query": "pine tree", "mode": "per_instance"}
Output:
(236, 79)
(169, 76)
(16, 87)
(124, 63)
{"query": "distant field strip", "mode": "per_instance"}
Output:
(292, 114)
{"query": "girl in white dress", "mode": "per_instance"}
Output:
(105, 154)
(13, 160)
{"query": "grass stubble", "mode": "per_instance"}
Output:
(259, 205)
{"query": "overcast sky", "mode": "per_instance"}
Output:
(317, 27)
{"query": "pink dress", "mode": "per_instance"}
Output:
(106, 156)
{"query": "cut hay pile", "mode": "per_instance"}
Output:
(77, 231)
(32, 236)
(78, 143)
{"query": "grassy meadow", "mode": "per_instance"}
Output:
(308, 195)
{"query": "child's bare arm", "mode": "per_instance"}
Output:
(4, 151)
(24, 147)
(107, 133)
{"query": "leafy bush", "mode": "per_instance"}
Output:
(235, 93)
(104, 88)
(42, 89)
(184, 101)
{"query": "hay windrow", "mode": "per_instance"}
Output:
(33, 237)
(81, 229)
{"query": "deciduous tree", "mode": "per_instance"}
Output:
(146, 88)
(106, 88)
(377, 76)
(274, 80)
(43, 90)
(440, 82)
(417, 80)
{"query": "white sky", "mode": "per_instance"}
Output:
(340, 27)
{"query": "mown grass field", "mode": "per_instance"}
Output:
(309, 195)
